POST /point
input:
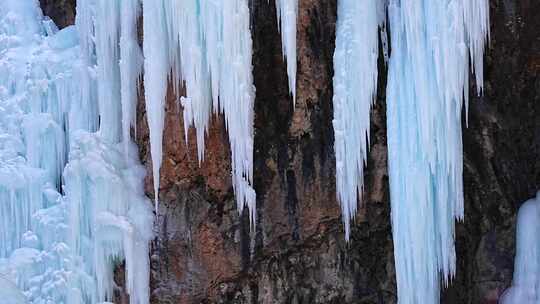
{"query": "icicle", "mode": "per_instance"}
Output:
(208, 47)
(88, 116)
(156, 67)
(355, 86)
(131, 61)
(63, 249)
(189, 60)
(428, 77)
(287, 11)
(107, 31)
(109, 217)
(526, 282)
(237, 96)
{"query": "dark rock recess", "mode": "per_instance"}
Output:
(204, 251)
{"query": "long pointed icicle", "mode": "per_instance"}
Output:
(287, 11)
(131, 62)
(189, 61)
(107, 36)
(237, 97)
(433, 43)
(207, 45)
(156, 68)
(355, 86)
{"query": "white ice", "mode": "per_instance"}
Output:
(433, 44)
(355, 89)
(156, 67)
(10, 293)
(207, 47)
(525, 287)
(287, 11)
(72, 201)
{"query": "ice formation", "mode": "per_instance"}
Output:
(10, 293)
(433, 43)
(156, 66)
(357, 51)
(207, 47)
(71, 192)
(131, 64)
(287, 11)
(526, 282)
(69, 173)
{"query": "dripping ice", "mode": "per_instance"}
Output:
(355, 88)
(67, 103)
(71, 189)
(287, 11)
(433, 44)
(207, 45)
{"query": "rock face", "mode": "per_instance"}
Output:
(204, 250)
(501, 154)
(61, 11)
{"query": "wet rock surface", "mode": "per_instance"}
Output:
(205, 252)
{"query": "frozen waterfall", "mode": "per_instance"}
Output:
(72, 200)
(71, 190)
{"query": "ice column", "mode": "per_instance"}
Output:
(526, 282)
(355, 88)
(433, 45)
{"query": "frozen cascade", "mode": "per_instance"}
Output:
(62, 248)
(207, 47)
(357, 50)
(287, 11)
(526, 282)
(433, 44)
(109, 219)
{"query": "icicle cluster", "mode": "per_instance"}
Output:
(357, 50)
(433, 44)
(287, 11)
(55, 87)
(526, 282)
(109, 220)
(67, 106)
(207, 46)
